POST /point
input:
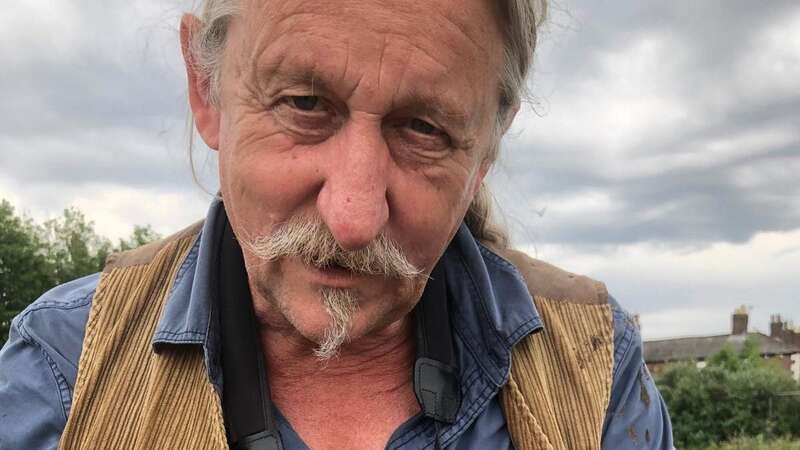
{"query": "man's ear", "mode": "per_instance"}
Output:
(483, 169)
(508, 117)
(486, 164)
(206, 115)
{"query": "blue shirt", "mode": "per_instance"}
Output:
(39, 363)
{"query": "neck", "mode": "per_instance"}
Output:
(356, 399)
(384, 357)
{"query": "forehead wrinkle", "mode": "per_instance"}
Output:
(419, 88)
(284, 61)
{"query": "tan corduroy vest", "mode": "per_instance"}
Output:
(129, 397)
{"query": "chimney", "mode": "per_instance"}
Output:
(795, 334)
(740, 320)
(776, 326)
(791, 335)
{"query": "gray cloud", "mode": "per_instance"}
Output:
(678, 122)
(92, 93)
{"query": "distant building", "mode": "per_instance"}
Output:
(782, 344)
(785, 332)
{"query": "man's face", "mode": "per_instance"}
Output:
(373, 116)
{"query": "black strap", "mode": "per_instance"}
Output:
(248, 414)
(435, 372)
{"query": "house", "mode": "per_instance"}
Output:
(784, 331)
(782, 344)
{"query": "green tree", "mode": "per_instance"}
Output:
(25, 271)
(35, 258)
(730, 359)
(141, 235)
(757, 443)
(734, 395)
(73, 246)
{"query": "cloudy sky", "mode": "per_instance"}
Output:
(660, 151)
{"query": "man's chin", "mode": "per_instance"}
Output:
(340, 306)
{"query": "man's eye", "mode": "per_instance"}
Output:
(422, 127)
(304, 102)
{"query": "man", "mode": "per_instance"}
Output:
(346, 289)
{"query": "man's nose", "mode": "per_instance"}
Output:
(353, 199)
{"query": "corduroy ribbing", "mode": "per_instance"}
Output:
(126, 395)
(560, 382)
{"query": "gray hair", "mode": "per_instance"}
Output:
(522, 19)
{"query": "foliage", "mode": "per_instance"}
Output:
(37, 257)
(757, 443)
(729, 359)
(25, 270)
(141, 235)
(73, 246)
(734, 395)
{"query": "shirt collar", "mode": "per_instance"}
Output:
(492, 309)
(186, 317)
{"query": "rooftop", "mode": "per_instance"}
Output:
(699, 348)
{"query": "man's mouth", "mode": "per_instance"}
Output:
(334, 275)
(335, 268)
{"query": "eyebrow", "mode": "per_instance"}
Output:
(274, 72)
(414, 101)
(437, 106)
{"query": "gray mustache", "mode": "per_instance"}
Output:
(311, 241)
